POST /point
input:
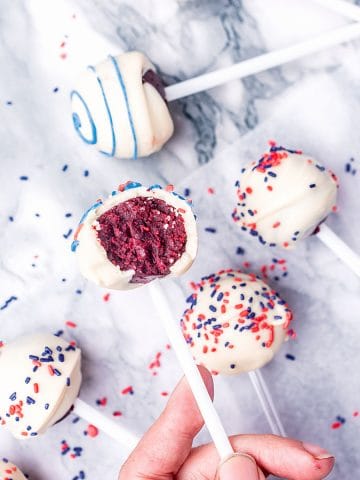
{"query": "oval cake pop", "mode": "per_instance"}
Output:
(235, 322)
(284, 197)
(136, 235)
(40, 377)
(120, 107)
(9, 471)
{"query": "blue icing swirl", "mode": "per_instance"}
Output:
(112, 153)
(131, 121)
(77, 121)
(131, 185)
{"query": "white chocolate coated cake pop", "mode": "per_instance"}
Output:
(284, 197)
(119, 106)
(136, 235)
(9, 471)
(235, 322)
(40, 380)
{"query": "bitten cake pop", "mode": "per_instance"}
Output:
(235, 322)
(284, 197)
(40, 376)
(119, 106)
(9, 471)
(136, 235)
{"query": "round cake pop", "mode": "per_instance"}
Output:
(9, 471)
(136, 235)
(120, 107)
(284, 197)
(235, 322)
(40, 380)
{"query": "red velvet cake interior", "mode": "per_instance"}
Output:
(144, 234)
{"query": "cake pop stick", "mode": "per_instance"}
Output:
(206, 407)
(120, 105)
(9, 471)
(234, 324)
(342, 7)
(41, 379)
(267, 403)
(134, 237)
(285, 197)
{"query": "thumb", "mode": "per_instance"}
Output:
(166, 445)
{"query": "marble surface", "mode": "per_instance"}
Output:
(49, 177)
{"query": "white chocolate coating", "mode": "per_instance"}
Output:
(37, 392)
(93, 261)
(284, 197)
(115, 111)
(235, 322)
(9, 471)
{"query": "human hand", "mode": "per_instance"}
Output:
(165, 452)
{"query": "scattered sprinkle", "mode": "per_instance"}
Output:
(86, 173)
(92, 431)
(240, 251)
(8, 301)
(289, 356)
(64, 168)
(211, 191)
(67, 235)
(101, 402)
(127, 390)
(24, 178)
(210, 229)
(56, 89)
(70, 324)
(106, 297)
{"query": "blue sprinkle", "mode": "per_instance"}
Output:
(30, 401)
(232, 365)
(9, 102)
(210, 229)
(24, 178)
(7, 302)
(67, 235)
(27, 380)
(312, 185)
(13, 397)
(47, 406)
(320, 167)
(68, 382)
(347, 168)
(56, 89)
(68, 215)
(272, 174)
(86, 173)
(64, 168)
(290, 357)
(11, 219)
(212, 308)
(79, 292)
(61, 358)
(240, 251)
(186, 192)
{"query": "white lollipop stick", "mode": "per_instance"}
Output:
(339, 247)
(112, 429)
(267, 403)
(262, 62)
(346, 9)
(206, 407)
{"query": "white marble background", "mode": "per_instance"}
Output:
(313, 104)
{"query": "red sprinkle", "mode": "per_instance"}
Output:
(70, 324)
(127, 390)
(106, 297)
(92, 431)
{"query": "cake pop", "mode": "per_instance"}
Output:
(41, 379)
(235, 322)
(120, 105)
(284, 197)
(9, 471)
(136, 235)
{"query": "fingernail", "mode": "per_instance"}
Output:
(317, 452)
(238, 466)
